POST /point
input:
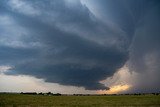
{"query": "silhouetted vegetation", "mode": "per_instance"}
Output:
(34, 93)
(156, 93)
(29, 93)
(59, 94)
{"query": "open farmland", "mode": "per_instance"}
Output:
(18, 100)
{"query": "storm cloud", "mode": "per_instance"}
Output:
(64, 42)
(145, 54)
(71, 50)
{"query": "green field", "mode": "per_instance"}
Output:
(18, 100)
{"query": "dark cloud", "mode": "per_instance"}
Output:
(127, 14)
(145, 54)
(140, 20)
(10, 55)
(75, 47)
(70, 59)
(63, 42)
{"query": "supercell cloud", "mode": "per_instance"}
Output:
(66, 42)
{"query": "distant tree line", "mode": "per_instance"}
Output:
(34, 93)
(58, 94)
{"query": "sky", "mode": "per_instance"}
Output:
(80, 46)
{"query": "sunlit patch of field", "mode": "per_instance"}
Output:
(18, 100)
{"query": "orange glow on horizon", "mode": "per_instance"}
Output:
(114, 89)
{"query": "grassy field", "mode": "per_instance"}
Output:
(17, 100)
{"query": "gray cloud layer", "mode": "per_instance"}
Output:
(61, 41)
(145, 53)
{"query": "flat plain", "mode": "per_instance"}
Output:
(19, 100)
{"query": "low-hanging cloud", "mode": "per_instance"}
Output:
(64, 42)
(74, 48)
